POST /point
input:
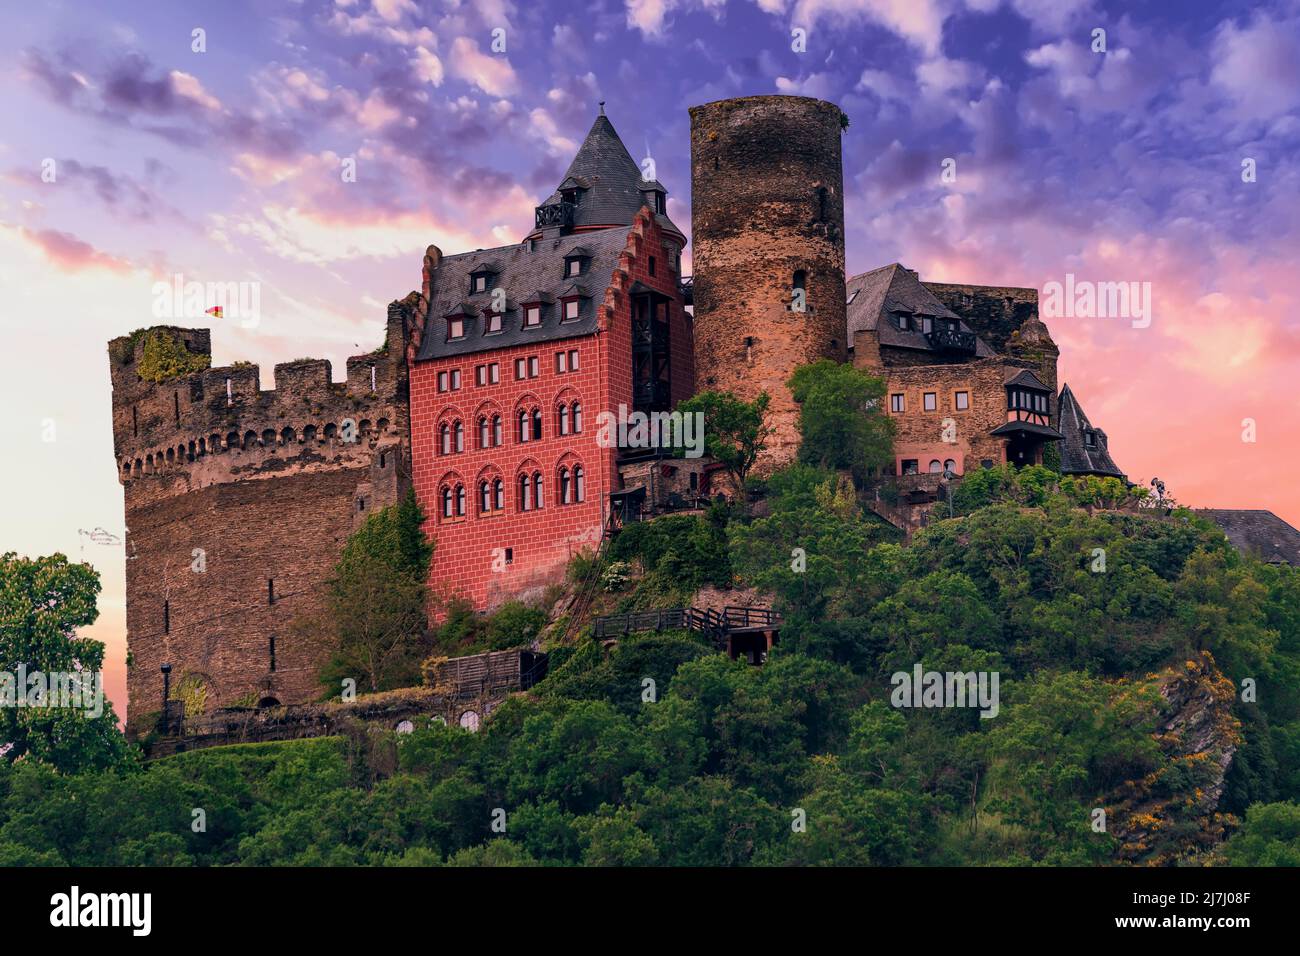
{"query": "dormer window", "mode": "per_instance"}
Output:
(655, 200)
(480, 280)
(903, 322)
(532, 315)
(491, 323)
(572, 267)
(1090, 438)
(455, 327)
(571, 307)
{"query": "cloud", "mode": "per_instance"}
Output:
(1258, 65)
(69, 254)
(491, 73)
(427, 66)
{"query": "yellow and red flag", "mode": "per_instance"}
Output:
(216, 312)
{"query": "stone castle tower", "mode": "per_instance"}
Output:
(238, 501)
(767, 198)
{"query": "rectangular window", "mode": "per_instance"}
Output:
(494, 373)
(455, 379)
(896, 403)
(930, 401)
(494, 322)
(533, 366)
(456, 328)
(927, 325)
(961, 401)
(573, 360)
(561, 362)
(532, 316)
(911, 467)
(480, 375)
(520, 372)
(570, 310)
(652, 265)
(480, 283)
(572, 267)
(442, 381)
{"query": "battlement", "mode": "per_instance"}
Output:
(307, 421)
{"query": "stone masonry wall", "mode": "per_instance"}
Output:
(228, 487)
(767, 200)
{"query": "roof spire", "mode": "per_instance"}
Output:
(602, 107)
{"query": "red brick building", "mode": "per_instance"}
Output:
(523, 348)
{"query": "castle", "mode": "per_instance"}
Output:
(485, 394)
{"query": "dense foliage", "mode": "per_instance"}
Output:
(373, 620)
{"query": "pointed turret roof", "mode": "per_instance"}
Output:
(1083, 448)
(609, 183)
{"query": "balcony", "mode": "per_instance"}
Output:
(556, 214)
(951, 340)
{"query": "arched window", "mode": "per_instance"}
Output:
(523, 425)
(268, 436)
(537, 424)
(525, 499)
(484, 497)
(577, 417)
(496, 429)
(446, 501)
(331, 430)
(499, 494)
(288, 435)
(232, 440)
(309, 433)
(950, 465)
(484, 436)
(564, 419)
(566, 487)
(460, 435)
(460, 501)
(538, 497)
(936, 466)
(171, 455)
(800, 279)
(579, 484)
(444, 439)
(250, 439)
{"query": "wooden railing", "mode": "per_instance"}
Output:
(715, 624)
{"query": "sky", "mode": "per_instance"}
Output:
(997, 142)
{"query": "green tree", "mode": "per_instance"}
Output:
(735, 431)
(842, 423)
(43, 601)
(1269, 837)
(374, 616)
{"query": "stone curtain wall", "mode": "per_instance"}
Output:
(767, 200)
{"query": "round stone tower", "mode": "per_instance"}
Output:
(767, 196)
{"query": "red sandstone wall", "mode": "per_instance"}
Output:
(468, 551)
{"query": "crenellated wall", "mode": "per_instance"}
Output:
(237, 502)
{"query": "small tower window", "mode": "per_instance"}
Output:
(270, 590)
(272, 650)
(800, 279)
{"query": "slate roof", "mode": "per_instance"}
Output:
(895, 288)
(528, 272)
(1259, 533)
(1024, 378)
(1077, 456)
(612, 181)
